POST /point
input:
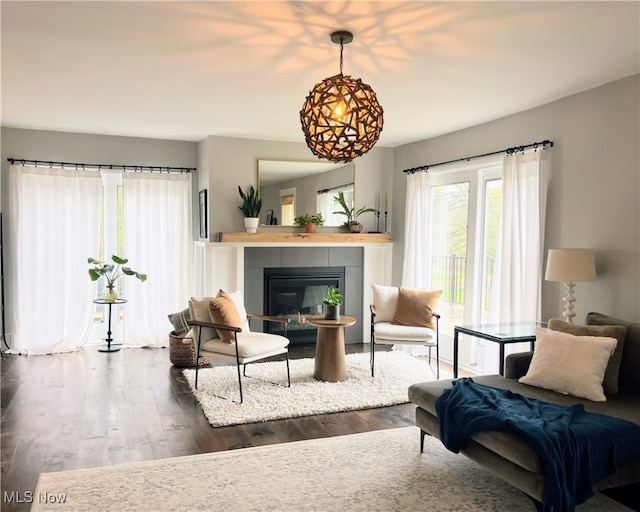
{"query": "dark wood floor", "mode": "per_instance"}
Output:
(88, 408)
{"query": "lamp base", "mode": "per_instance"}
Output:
(568, 299)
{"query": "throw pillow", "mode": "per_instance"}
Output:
(385, 300)
(179, 322)
(223, 311)
(629, 377)
(619, 332)
(569, 364)
(236, 297)
(416, 307)
(199, 310)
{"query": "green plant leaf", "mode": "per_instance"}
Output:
(251, 202)
(333, 297)
(95, 274)
(112, 273)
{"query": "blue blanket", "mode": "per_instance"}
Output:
(578, 448)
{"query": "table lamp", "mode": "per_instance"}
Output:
(569, 266)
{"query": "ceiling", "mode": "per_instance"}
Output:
(185, 70)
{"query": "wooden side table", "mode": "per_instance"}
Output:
(330, 363)
(109, 339)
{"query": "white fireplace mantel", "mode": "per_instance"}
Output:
(220, 265)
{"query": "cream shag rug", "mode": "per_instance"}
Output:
(395, 372)
(372, 472)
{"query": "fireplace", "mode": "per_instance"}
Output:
(297, 292)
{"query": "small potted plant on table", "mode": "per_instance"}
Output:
(251, 206)
(309, 221)
(111, 273)
(351, 214)
(332, 303)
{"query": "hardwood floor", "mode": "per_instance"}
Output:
(87, 409)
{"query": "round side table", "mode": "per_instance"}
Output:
(108, 339)
(330, 363)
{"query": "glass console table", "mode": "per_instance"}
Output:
(516, 332)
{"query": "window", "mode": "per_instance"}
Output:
(287, 206)
(111, 242)
(464, 220)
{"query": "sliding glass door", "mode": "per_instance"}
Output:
(464, 221)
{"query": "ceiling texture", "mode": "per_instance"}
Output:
(185, 70)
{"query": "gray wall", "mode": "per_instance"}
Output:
(594, 188)
(593, 197)
(89, 148)
(232, 162)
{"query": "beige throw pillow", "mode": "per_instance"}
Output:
(569, 364)
(223, 311)
(199, 310)
(416, 307)
(619, 332)
(385, 300)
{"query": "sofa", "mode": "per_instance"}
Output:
(507, 454)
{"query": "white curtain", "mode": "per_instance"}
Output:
(158, 242)
(517, 286)
(416, 269)
(54, 228)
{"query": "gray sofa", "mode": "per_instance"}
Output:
(507, 454)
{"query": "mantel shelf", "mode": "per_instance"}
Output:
(302, 237)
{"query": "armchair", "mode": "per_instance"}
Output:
(240, 346)
(404, 316)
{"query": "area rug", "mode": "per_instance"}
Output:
(374, 471)
(395, 372)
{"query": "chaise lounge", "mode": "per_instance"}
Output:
(507, 454)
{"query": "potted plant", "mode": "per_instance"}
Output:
(351, 214)
(251, 205)
(332, 303)
(111, 273)
(309, 221)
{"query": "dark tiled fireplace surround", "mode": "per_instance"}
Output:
(257, 259)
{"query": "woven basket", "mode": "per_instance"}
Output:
(182, 352)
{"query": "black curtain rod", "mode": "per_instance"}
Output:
(98, 167)
(325, 190)
(508, 151)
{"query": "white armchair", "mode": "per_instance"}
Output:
(404, 316)
(240, 345)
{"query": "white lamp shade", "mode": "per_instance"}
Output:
(569, 265)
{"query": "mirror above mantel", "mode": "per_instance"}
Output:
(291, 188)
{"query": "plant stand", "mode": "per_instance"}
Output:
(109, 339)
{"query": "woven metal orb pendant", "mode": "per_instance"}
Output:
(341, 117)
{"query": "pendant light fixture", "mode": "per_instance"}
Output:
(341, 117)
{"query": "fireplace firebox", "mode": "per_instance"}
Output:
(297, 292)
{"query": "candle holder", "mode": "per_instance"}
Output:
(385, 222)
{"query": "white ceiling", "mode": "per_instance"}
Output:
(185, 70)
